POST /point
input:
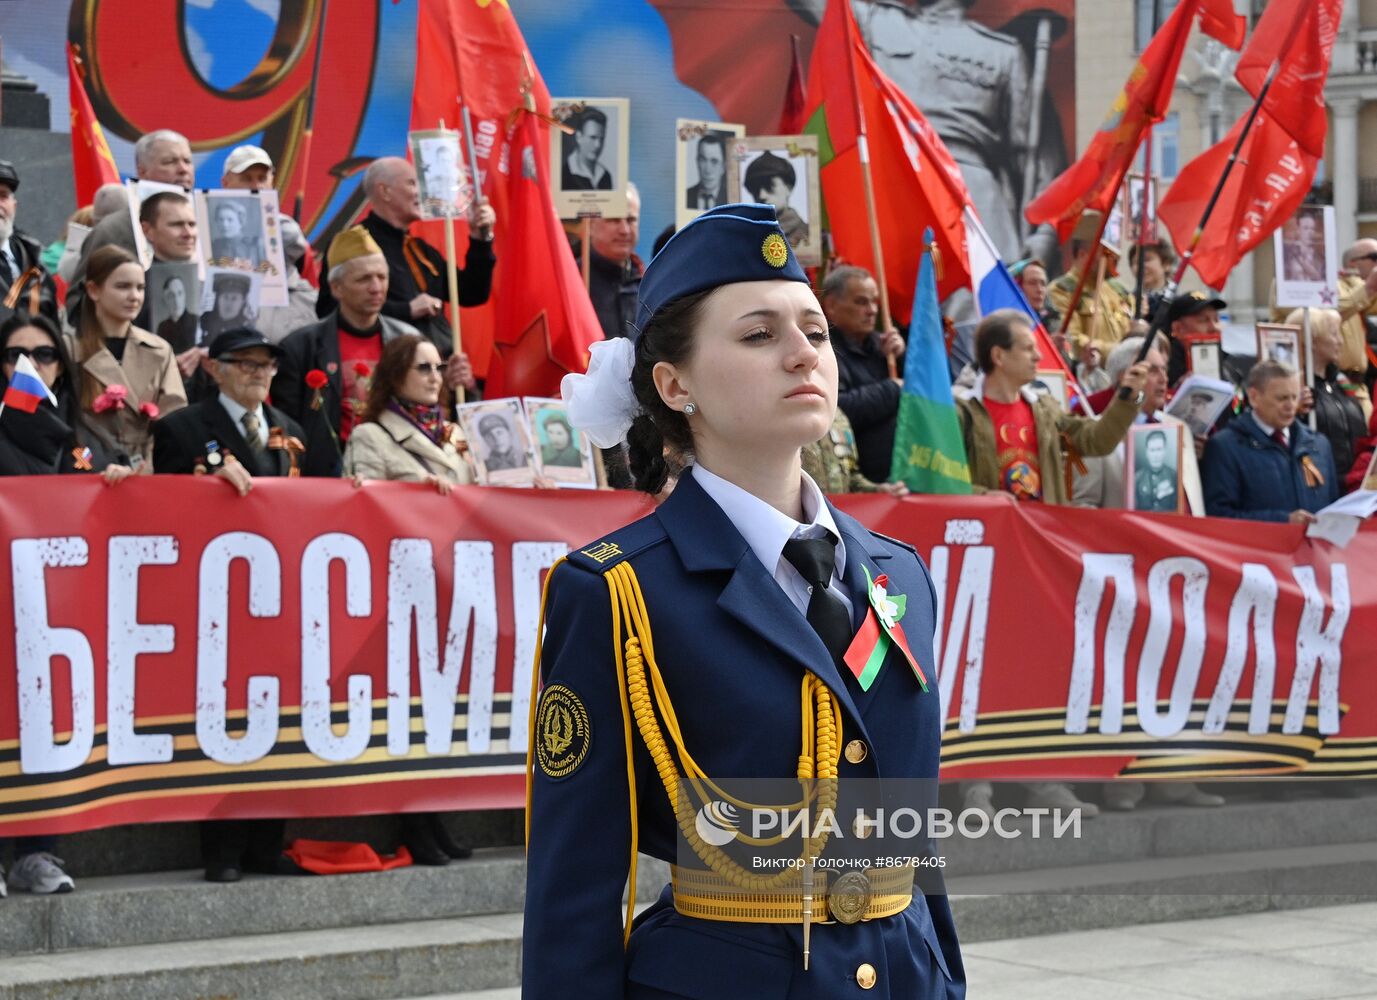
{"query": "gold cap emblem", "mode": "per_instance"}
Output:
(776, 250)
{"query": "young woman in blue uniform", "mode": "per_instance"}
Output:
(710, 641)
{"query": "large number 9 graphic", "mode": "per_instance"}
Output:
(140, 77)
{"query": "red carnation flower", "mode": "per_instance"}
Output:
(317, 379)
(361, 369)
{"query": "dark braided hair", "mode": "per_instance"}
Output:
(667, 337)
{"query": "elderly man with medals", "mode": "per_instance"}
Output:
(745, 648)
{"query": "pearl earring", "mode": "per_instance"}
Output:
(690, 409)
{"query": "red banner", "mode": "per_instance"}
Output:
(317, 650)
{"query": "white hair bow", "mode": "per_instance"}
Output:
(602, 403)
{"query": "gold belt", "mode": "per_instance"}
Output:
(839, 896)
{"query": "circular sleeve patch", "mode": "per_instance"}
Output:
(562, 732)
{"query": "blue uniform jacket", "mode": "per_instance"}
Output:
(1248, 475)
(733, 651)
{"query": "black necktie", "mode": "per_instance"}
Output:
(6, 274)
(814, 558)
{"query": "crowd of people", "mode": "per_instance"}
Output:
(355, 374)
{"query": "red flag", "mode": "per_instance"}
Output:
(1277, 163)
(1219, 20)
(1093, 181)
(795, 114)
(538, 322)
(1300, 34)
(917, 183)
(92, 164)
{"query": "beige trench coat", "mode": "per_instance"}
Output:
(394, 448)
(149, 374)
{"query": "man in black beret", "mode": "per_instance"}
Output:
(24, 282)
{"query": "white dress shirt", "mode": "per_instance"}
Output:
(1269, 430)
(766, 529)
(236, 413)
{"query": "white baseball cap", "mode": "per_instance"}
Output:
(243, 157)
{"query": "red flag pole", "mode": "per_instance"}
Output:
(1159, 319)
(1139, 299)
(868, 183)
(309, 128)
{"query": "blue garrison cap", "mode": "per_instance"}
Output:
(726, 244)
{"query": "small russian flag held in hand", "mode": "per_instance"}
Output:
(26, 389)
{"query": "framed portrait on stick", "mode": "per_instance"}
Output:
(562, 454)
(1279, 342)
(1305, 252)
(1134, 221)
(702, 159)
(230, 298)
(499, 441)
(1203, 354)
(782, 170)
(443, 179)
(241, 230)
(1055, 384)
(590, 160)
(1152, 479)
(173, 293)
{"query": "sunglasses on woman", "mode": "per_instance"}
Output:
(425, 367)
(39, 355)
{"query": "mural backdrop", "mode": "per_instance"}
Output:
(231, 71)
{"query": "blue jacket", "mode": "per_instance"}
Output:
(733, 652)
(1248, 475)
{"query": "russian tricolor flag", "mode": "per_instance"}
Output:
(26, 389)
(995, 288)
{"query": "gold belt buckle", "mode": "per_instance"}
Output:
(849, 897)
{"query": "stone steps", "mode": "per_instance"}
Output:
(414, 958)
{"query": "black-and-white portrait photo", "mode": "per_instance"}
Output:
(583, 168)
(1205, 359)
(1282, 343)
(496, 431)
(445, 188)
(229, 299)
(1199, 401)
(592, 159)
(702, 166)
(1156, 481)
(236, 229)
(1055, 385)
(782, 171)
(173, 293)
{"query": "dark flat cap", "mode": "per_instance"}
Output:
(239, 339)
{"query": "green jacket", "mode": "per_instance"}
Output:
(1088, 435)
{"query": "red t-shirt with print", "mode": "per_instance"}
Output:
(1016, 447)
(358, 356)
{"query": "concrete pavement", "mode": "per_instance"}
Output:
(1316, 954)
